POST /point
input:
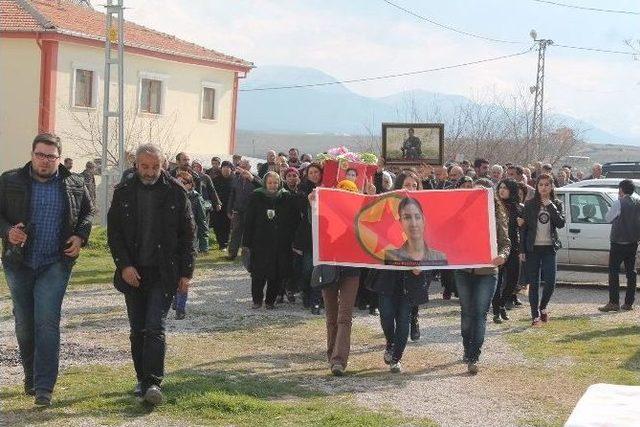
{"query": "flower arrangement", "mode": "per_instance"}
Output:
(343, 155)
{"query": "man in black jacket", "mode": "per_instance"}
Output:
(150, 233)
(242, 186)
(45, 218)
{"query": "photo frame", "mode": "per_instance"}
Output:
(413, 143)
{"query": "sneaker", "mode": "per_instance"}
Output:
(609, 307)
(415, 330)
(388, 355)
(396, 367)
(472, 368)
(180, 314)
(137, 392)
(627, 307)
(315, 310)
(337, 370)
(291, 297)
(497, 319)
(43, 398)
(153, 395)
(544, 315)
(536, 322)
(256, 306)
(373, 311)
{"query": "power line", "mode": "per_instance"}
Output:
(593, 49)
(447, 27)
(389, 76)
(592, 9)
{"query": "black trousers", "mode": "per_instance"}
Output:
(622, 253)
(448, 281)
(257, 289)
(507, 282)
(147, 308)
(221, 225)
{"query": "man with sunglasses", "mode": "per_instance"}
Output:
(45, 218)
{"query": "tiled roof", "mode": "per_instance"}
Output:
(65, 17)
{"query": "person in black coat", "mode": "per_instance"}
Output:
(539, 243)
(398, 291)
(150, 234)
(268, 236)
(219, 219)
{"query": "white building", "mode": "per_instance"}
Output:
(178, 94)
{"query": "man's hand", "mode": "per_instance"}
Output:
(16, 236)
(75, 243)
(498, 261)
(369, 188)
(131, 276)
(183, 285)
(520, 222)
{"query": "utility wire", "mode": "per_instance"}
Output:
(447, 27)
(389, 76)
(592, 9)
(592, 49)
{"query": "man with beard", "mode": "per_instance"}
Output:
(150, 233)
(45, 218)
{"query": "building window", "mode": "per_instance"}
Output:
(208, 103)
(151, 96)
(83, 96)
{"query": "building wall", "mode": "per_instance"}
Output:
(19, 100)
(178, 128)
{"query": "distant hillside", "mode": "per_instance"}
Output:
(334, 109)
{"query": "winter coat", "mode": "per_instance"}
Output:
(530, 215)
(15, 200)
(174, 239)
(268, 233)
(388, 282)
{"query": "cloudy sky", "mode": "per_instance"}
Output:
(356, 38)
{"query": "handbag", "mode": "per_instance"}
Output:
(324, 275)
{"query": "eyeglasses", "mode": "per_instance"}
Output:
(47, 157)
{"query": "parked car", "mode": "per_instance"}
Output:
(585, 237)
(629, 170)
(601, 183)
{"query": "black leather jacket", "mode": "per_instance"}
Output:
(530, 216)
(15, 200)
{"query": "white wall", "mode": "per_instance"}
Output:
(180, 122)
(19, 99)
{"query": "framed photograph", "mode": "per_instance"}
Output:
(413, 143)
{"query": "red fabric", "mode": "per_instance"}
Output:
(457, 223)
(332, 173)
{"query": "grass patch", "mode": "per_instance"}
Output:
(595, 352)
(220, 398)
(95, 264)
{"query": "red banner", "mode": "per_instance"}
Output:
(334, 172)
(436, 229)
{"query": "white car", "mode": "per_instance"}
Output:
(601, 183)
(585, 236)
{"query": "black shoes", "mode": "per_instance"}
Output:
(291, 297)
(28, 387)
(415, 330)
(43, 398)
(503, 314)
(315, 310)
(180, 314)
(516, 302)
(373, 311)
(497, 319)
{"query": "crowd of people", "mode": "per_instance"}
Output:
(160, 217)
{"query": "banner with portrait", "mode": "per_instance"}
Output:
(435, 229)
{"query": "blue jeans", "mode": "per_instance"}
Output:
(37, 300)
(147, 308)
(395, 315)
(181, 301)
(540, 262)
(475, 292)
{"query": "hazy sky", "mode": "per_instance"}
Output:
(355, 38)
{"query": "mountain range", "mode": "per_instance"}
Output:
(334, 109)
